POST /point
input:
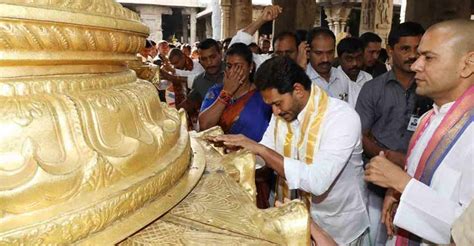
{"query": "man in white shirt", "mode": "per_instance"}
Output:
(284, 44)
(311, 142)
(438, 183)
(322, 43)
(184, 66)
(350, 55)
(181, 71)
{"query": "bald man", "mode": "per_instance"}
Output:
(438, 183)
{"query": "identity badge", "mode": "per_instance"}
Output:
(414, 119)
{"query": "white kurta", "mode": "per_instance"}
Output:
(191, 74)
(246, 38)
(336, 176)
(355, 86)
(429, 211)
(338, 85)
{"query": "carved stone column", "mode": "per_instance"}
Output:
(376, 16)
(429, 12)
(209, 29)
(306, 12)
(256, 12)
(317, 18)
(192, 22)
(286, 21)
(151, 16)
(190, 18)
(299, 14)
(236, 14)
(337, 16)
(185, 26)
(225, 18)
(241, 14)
(216, 20)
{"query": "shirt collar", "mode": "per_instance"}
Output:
(391, 77)
(313, 75)
(221, 72)
(344, 74)
(443, 109)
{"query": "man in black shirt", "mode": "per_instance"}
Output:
(372, 47)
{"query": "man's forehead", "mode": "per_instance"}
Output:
(427, 46)
(353, 54)
(374, 46)
(174, 59)
(271, 95)
(409, 40)
(208, 52)
(286, 40)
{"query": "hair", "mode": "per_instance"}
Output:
(281, 73)
(226, 41)
(320, 31)
(370, 37)
(242, 50)
(406, 29)
(162, 42)
(148, 44)
(286, 34)
(175, 52)
(209, 43)
(186, 46)
(172, 46)
(349, 45)
(254, 45)
(383, 57)
(153, 42)
(301, 34)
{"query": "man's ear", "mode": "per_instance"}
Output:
(467, 68)
(298, 89)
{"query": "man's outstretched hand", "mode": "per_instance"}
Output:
(270, 13)
(236, 142)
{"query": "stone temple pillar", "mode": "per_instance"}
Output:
(192, 20)
(241, 14)
(185, 26)
(225, 18)
(236, 14)
(216, 20)
(428, 12)
(151, 16)
(286, 21)
(209, 29)
(255, 14)
(297, 14)
(337, 16)
(376, 16)
(317, 18)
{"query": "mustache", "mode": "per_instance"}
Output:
(324, 64)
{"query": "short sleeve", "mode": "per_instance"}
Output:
(211, 97)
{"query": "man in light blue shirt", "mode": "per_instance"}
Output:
(321, 56)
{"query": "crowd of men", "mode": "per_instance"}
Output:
(380, 151)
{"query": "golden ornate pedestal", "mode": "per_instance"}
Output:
(89, 155)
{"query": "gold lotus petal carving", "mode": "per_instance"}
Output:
(28, 38)
(106, 8)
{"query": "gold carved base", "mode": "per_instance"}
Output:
(90, 155)
(221, 211)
